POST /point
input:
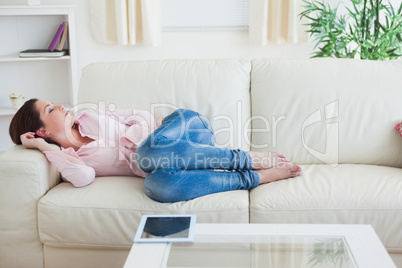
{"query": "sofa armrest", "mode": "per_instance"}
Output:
(25, 176)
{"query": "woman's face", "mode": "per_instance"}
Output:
(57, 122)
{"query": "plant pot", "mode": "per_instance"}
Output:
(17, 103)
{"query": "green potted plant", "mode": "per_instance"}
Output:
(370, 29)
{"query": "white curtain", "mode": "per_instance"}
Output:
(126, 22)
(276, 21)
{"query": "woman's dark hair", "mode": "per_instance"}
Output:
(26, 119)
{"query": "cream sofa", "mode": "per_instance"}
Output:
(334, 117)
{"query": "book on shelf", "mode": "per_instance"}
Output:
(42, 53)
(56, 37)
(55, 48)
(63, 38)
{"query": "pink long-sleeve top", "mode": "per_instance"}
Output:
(116, 136)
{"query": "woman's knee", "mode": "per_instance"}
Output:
(186, 112)
(185, 115)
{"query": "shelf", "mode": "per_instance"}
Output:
(33, 10)
(7, 111)
(18, 59)
(4, 111)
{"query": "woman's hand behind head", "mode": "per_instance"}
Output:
(30, 141)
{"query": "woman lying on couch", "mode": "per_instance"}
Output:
(178, 157)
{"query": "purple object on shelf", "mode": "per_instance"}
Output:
(56, 37)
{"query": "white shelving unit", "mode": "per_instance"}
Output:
(53, 79)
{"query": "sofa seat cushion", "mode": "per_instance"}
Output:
(346, 194)
(108, 211)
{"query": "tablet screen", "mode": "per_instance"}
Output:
(165, 228)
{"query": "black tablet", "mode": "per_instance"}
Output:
(166, 228)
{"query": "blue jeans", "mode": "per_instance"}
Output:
(183, 162)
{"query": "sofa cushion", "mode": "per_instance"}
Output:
(347, 194)
(328, 110)
(108, 211)
(218, 89)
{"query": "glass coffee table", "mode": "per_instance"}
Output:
(268, 245)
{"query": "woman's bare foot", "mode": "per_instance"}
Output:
(279, 172)
(265, 160)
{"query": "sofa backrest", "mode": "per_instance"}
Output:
(328, 110)
(218, 89)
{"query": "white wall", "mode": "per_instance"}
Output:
(196, 44)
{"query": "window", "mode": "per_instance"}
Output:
(204, 14)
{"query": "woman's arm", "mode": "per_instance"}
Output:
(71, 168)
(29, 141)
